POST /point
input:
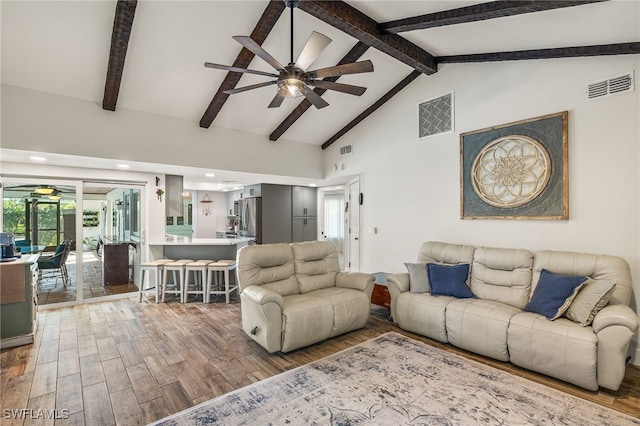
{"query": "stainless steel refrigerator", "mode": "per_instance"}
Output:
(250, 218)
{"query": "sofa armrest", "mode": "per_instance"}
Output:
(396, 284)
(611, 315)
(261, 296)
(356, 280)
(614, 325)
(262, 316)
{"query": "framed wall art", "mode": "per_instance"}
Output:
(516, 170)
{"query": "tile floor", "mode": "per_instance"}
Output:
(51, 288)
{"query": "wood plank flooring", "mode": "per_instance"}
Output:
(129, 363)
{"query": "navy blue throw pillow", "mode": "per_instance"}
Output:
(449, 280)
(554, 293)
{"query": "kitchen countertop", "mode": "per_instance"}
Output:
(177, 240)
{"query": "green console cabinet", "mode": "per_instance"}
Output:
(18, 301)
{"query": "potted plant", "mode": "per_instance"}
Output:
(89, 243)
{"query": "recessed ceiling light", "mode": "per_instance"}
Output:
(313, 185)
(123, 166)
(210, 175)
(37, 158)
(225, 190)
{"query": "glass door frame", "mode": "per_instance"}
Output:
(78, 225)
(79, 194)
(140, 226)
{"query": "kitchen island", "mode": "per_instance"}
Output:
(179, 247)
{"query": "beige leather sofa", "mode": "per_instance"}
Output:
(494, 322)
(293, 295)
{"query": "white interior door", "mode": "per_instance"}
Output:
(354, 226)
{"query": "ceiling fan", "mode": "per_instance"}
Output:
(292, 80)
(51, 192)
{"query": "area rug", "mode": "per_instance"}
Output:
(395, 380)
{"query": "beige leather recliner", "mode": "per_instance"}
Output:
(294, 295)
(494, 323)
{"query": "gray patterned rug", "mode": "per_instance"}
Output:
(395, 380)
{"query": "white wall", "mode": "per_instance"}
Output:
(412, 187)
(42, 122)
(205, 226)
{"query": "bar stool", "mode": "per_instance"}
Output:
(152, 266)
(176, 266)
(198, 270)
(215, 273)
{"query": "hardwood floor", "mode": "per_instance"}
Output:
(127, 363)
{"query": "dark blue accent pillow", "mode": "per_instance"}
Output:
(554, 293)
(449, 280)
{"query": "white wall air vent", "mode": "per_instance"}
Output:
(346, 149)
(435, 116)
(611, 86)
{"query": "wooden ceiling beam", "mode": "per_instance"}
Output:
(260, 32)
(122, 24)
(553, 53)
(476, 12)
(360, 26)
(352, 56)
(391, 93)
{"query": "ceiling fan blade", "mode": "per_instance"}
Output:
(338, 70)
(338, 87)
(315, 46)
(276, 101)
(236, 69)
(245, 88)
(247, 42)
(313, 97)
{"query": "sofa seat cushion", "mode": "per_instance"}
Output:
(351, 308)
(480, 326)
(560, 348)
(305, 320)
(423, 313)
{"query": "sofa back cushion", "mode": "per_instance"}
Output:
(268, 265)
(316, 265)
(440, 253)
(596, 266)
(502, 275)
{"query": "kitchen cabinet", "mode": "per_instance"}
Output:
(18, 299)
(304, 229)
(304, 211)
(304, 201)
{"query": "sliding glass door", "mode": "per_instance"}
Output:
(42, 216)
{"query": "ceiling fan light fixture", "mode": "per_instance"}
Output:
(44, 190)
(290, 88)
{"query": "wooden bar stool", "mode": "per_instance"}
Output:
(152, 266)
(215, 273)
(178, 267)
(198, 270)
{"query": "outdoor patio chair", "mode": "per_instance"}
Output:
(56, 262)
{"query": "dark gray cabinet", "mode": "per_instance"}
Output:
(276, 213)
(304, 207)
(304, 201)
(304, 229)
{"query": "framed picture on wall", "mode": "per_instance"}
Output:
(516, 171)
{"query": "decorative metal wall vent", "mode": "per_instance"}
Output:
(611, 86)
(435, 116)
(346, 149)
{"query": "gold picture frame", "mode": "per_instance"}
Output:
(516, 170)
